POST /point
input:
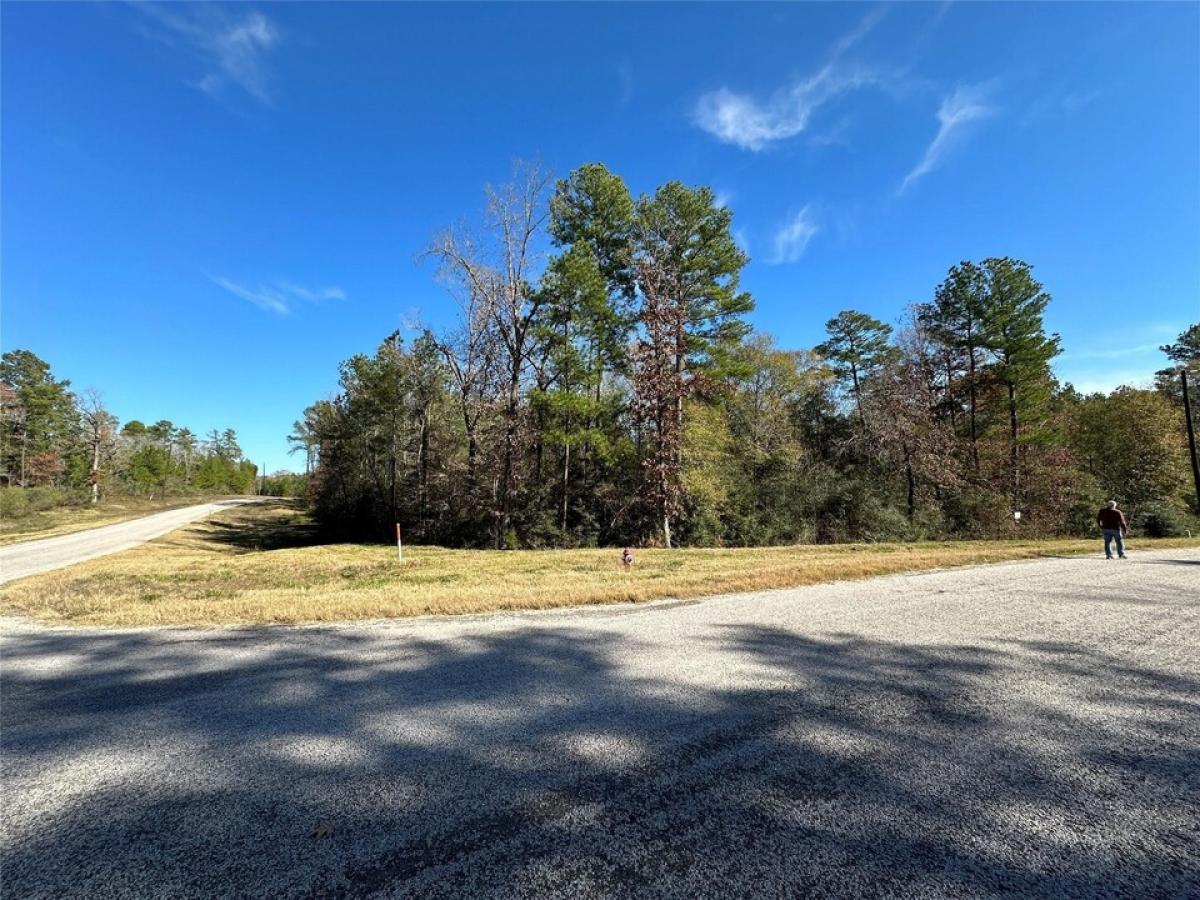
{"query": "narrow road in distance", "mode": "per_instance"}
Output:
(32, 557)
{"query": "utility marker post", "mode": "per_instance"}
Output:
(399, 545)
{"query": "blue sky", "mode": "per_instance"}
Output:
(205, 208)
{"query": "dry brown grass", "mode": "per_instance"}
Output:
(68, 519)
(250, 566)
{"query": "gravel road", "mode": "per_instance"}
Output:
(31, 557)
(1024, 729)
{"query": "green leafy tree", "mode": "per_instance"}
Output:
(1015, 337)
(149, 467)
(691, 319)
(773, 467)
(592, 207)
(186, 441)
(379, 445)
(1130, 443)
(857, 349)
(956, 322)
(905, 427)
(711, 475)
(303, 438)
(427, 403)
(375, 388)
(581, 334)
(39, 419)
(1184, 352)
(1186, 348)
(134, 430)
(228, 447)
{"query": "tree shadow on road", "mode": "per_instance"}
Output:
(540, 761)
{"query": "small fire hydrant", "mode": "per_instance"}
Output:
(627, 558)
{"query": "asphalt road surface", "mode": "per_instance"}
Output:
(32, 557)
(1025, 729)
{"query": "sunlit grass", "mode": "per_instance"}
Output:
(224, 572)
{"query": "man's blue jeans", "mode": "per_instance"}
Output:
(1111, 534)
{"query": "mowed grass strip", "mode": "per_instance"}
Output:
(250, 566)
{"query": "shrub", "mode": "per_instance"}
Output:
(44, 498)
(978, 515)
(1160, 520)
(853, 512)
(1081, 518)
(18, 502)
(13, 503)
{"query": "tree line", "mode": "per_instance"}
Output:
(602, 385)
(57, 445)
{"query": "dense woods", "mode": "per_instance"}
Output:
(604, 386)
(57, 447)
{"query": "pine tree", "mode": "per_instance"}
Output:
(691, 318)
(39, 420)
(955, 319)
(592, 207)
(1015, 337)
(1183, 352)
(858, 347)
(580, 333)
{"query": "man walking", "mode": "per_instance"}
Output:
(1112, 522)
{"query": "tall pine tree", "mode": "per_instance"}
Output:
(691, 312)
(1016, 338)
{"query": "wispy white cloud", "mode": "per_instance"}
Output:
(1059, 103)
(754, 124)
(278, 298)
(1078, 99)
(313, 295)
(1140, 339)
(264, 298)
(625, 81)
(833, 136)
(742, 240)
(968, 104)
(865, 26)
(233, 48)
(925, 34)
(791, 240)
(1112, 358)
(724, 197)
(1113, 353)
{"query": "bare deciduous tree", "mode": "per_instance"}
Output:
(495, 280)
(100, 433)
(470, 349)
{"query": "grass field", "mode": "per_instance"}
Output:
(259, 565)
(68, 519)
